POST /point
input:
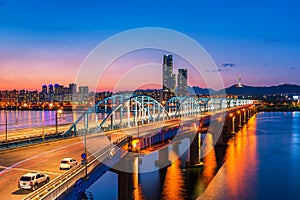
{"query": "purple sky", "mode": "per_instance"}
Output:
(43, 43)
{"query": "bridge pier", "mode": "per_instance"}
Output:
(239, 119)
(175, 147)
(195, 146)
(220, 151)
(231, 123)
(244, 114)
(128, 178)
(163, 158)
(248, 113)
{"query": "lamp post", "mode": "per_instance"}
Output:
(138, 134)
(6, 131)
(85, 149)
(56, 120)
(138, 123)
(43, 122)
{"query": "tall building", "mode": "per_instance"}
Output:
(169, 79)
(72, 88)
(58, 89)
(44, 89)
(182, 83)
(50, 89)
(83, 89)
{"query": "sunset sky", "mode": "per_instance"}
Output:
(44, 42)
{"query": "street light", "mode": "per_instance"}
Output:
(138, 123)
(56, 119)
(43, 122)
(6, 131)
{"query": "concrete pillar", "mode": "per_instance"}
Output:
(163, 158)
(128, 178)
(248, 113)
(175, 147)
(239, 119)
(195, 152)
(244, 116)
(220, 151)
(231, 123)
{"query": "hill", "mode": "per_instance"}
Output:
(287, 89)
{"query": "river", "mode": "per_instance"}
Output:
(261, 161)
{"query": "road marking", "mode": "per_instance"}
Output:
(30, 170)
(47, 152)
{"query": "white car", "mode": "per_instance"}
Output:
(32, 180)
(67, 163)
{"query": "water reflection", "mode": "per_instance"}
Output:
(173, 182)
(173, 187)
(241, 157)
(295, 134)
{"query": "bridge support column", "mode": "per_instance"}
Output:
(195, 152)
(128, 178)
(248, 113)
(175, 147)
(244, 113)
(220, 151)
(163, 158)
(231, 123)
(239, 119)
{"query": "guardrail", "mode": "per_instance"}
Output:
(67, 180)
(29, 140)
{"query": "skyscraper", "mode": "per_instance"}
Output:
(72, 88)
(169, 79)
(182, 82)
(50, 88)
(44, 89)
(83, 89)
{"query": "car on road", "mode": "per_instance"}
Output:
(33, 180)
(67, 163)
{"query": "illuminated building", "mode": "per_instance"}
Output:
(182, 82)
(169, 79)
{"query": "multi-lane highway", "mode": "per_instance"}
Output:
(46, 157)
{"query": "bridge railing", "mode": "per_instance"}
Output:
(65, 181)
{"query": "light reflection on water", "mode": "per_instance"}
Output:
(173, 182)
(261, 162)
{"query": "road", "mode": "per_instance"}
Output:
(46, 157)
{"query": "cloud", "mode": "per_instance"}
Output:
(229, 65)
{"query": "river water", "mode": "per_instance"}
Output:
(19, 119)
(262, 161)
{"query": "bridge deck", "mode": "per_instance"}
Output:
(47, 156)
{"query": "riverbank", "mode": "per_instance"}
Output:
(278, 108)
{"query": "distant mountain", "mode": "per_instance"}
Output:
(198, 90)
(251, 90)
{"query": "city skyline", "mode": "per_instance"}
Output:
(257, 41)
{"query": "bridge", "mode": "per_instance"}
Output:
(133, 123)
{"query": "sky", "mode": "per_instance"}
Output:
(46, 42)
